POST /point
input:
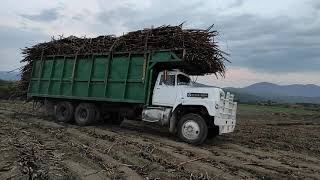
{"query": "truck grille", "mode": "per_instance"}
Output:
(227, 107)
(226, 115)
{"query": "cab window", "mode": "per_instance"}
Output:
(170, 81)
(183, 80)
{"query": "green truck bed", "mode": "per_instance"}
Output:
(114, 77)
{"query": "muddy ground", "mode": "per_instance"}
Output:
(263, 146)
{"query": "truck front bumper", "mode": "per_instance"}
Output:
(226, 114)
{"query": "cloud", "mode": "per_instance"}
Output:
(134, 18)
(276, 45)
(78, 17)
(10, 59)
(315, 4)
(123, 14)
(12, 40)
(276, 38)
(46, 15)
(19, 38)
(236, 3)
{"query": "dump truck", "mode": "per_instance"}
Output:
(150, 86)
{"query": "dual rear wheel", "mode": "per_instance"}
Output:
(84, 114)
(64, 112)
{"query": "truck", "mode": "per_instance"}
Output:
(150, 86)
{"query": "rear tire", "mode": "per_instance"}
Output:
(193, 129)
(85, 114)
(64, 112)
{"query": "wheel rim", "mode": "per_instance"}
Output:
(83, 114)
(191, 130)
(62, 112)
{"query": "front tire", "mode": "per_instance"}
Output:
(193, 129)
(85, 114)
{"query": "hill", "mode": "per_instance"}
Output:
(10, 76)
(309, 90)
(296, 93)
(6, 88)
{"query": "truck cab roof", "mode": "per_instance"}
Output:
(174, 72)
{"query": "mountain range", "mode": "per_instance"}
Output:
(264, 91)
(9, 76)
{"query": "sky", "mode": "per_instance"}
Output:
(268, 41)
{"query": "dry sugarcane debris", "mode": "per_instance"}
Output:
(199, 45)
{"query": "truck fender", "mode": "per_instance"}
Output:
(209, 106)
(175, 106)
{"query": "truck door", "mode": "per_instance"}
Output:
(165, 91)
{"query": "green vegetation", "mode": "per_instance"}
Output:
(6, 88)
(5, 85)
(289, 109)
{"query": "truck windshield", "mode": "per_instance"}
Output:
(183, 80)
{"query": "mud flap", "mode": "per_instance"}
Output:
(173, 123)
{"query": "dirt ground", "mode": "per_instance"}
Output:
(263, 146)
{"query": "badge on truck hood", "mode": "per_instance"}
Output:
(200, 95)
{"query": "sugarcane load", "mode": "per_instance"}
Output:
(141, 75)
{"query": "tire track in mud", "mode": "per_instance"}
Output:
(292, 160)
(118, 152)
(261, 163)
(171, 153)
(251, 162)
(28, 152)
(221, 164)
(74, 135)
(78, 159)
(152, 155)
(157, 156)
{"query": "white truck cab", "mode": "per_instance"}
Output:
(195, 113)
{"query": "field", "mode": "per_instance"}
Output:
(6, 87)
(268, 143)
(278, 109)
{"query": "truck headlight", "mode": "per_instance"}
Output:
(217, 106)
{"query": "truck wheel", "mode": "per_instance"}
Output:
(192, 129)
(85, 114)
(64, 112)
